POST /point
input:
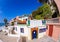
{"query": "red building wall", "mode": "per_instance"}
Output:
(53, 31)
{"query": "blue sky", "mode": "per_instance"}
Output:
(12, 8)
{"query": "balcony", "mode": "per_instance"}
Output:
(53, 21)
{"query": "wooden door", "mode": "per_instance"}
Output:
(50, 30)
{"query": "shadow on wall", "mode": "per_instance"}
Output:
(54, 15)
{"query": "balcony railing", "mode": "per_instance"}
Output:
(53, 20)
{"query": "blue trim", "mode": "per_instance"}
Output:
(22, 30)
(43, 22)
(42, 30)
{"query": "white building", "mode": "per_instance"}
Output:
(30, 29)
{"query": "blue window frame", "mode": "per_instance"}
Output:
(22, 30)
(42, 30)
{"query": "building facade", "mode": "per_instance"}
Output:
(31, 29)
(53, 28)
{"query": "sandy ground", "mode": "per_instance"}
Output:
(6, 38)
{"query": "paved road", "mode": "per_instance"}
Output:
(6, 38)
(44, 39)
(1, 41)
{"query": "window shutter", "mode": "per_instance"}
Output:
(28, 22)
(43, 22)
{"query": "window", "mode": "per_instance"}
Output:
(13, 28)
(43, 21)
(42, 30)
(16, 28)
(22, 30)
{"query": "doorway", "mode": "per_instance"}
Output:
(34, 32)
(50, 30)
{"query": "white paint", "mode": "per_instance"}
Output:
(35, 23)
(40, 35)
(13, 35)
(29, 33)
(27, 29)
(23, 18)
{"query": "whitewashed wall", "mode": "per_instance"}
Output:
(29, 33)
(23, 18)
(35, 23)
(41, 34)
(26, 31)
(13, 35)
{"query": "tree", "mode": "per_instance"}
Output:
(55, 8)
(42, 12)
(42, 1)
(34, 13)
(46, 11)
(5, 21)
(12, 23)
(38, 17)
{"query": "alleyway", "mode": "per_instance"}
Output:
(5, 38)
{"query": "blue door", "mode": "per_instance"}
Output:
(34, 34)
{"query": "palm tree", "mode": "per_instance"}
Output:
(5, 21)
